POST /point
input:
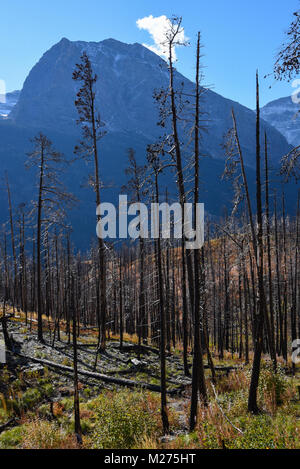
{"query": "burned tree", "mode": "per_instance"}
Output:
(136, 185)
(198, 378)
(287, 63)
(155, 164)
(92, 131)
(50, 204)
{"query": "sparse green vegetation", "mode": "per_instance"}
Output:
(131, 419)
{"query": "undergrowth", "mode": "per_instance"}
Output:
(125, 419)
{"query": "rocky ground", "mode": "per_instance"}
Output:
(31, 361)
(122, 393)
(126, 363)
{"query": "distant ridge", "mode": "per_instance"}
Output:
(284, 115)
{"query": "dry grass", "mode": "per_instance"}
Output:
(46, 435)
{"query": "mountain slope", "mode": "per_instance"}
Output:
(7, 103)
(128, 75)
(284, 115)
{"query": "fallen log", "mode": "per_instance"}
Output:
(99, 376)
(224, 368)
(218, 404)
(8, 424)
(139, 348)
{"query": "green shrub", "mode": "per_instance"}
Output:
(265, 432)
(68, 403)
(47, 390)
(44, 411)
(272, 384)
(87, 392)
(31, 397)
(124, 418)
(11, 438)
(86, 426)
(17, 385)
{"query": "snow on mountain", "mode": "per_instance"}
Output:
(284, 115)
(7, 102)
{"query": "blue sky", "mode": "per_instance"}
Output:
(239, 36)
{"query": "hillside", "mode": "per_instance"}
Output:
(128, 75)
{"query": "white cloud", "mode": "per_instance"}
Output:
(157, 28)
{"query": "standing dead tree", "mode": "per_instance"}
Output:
(73, 313)
(169, 110)
(261, 313)
(261, 318)
(155, 164)
(13, 243)
(198, 378)
(136, 186)
(51, 203)
(92, 131)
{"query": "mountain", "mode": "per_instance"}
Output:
(284, 115)
(7, 102)
(128, 74)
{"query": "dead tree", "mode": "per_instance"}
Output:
(172, 39)
(269, 260)
(154, 162)
(78, 431)
(136, 186)
(51, 203)
(92, 131)
(261, 313)
(13, 244)
(198, 378)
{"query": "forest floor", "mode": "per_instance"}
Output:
(36, 398)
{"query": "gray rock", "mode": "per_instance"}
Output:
(127, 74)
(136, 362)
(284, 115)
